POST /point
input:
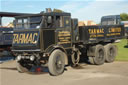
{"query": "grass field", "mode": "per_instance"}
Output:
(122, 51)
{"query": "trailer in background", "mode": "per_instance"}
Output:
(6, 34)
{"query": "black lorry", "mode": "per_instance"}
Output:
(50, 39)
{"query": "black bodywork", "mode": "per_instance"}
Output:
(37, 36)
(62, 34)
(26, 39)
(56, 33)
(97, 34)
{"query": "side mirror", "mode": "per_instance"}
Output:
(49, 19)
(14, 23)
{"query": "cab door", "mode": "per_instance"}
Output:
(75, 30)
(63, 30)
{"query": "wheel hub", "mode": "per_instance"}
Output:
(58, 63)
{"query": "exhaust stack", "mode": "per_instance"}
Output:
(48, 10)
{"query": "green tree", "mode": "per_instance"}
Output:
(124, 16)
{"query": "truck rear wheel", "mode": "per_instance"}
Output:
(99, 57)
(91, 60)
(56, 62)
(110, 53)
(20, 68)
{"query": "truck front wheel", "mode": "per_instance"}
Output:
(20, 68)
(56, 62)
(111, 52)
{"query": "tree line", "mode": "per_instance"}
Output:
(124, 16)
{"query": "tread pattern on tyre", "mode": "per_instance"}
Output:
(95, 58)
(91, 60)
(109, 58)
(20, 68)
(51, 66)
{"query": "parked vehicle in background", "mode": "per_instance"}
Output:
(125, 23)
(6, 36)
(111, 20)
(6, 33)
(115, 20)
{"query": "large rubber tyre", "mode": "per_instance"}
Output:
(91, 60)
(110, 53)
(56, 62)
(99, 57)
(20, 68)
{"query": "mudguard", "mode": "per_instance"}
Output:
(51, 48)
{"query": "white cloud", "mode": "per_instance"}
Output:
(29, 6)
(70, 6)
(110, 0)
(96, 9)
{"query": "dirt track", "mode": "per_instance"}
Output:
(108, 74)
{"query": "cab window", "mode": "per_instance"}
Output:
(28, 22)
(48, 22)
(19, 23)
(59, 21)
(35, 22)
(26, 25)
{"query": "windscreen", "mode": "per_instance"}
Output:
(28, 22)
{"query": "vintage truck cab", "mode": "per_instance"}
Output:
(44, 39)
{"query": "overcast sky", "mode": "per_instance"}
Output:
(81, 9)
